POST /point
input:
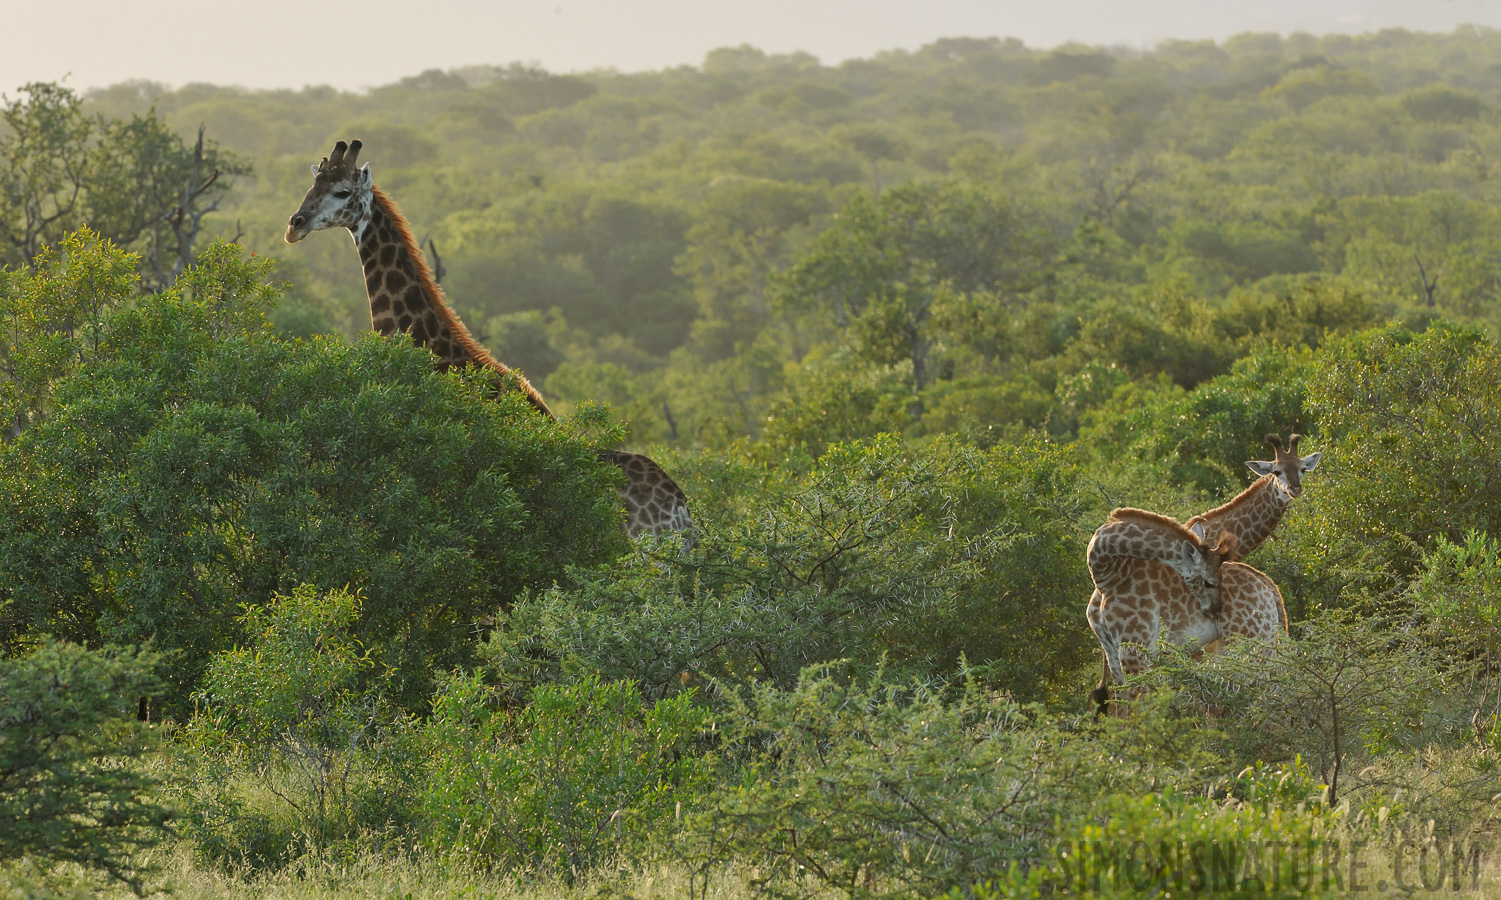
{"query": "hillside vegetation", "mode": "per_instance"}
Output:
(904, 329)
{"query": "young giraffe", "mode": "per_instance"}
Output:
(1250, 606)
(1131, 602)
(404, 298)
(1256, 511)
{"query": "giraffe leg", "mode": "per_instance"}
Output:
(1100, 696)
(1108, 636)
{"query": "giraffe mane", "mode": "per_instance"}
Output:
(1242, 497)
(1123, 513)
(434, 294)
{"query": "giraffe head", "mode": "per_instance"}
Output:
(1208, 559)
(339, 198)
(1288, 466)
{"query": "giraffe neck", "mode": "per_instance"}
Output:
(1252, 516)
(404, 299)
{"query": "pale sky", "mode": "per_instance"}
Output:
(364, 43)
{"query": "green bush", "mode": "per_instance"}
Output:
(197, 463)
(1458, 594)
(920, 555)
(1343, 692)
(876, 788)
(1203, 437)
(293, 746)
(584, 774)
(1411, 437)
(833, 400)
(1265, 838)
(75, 789)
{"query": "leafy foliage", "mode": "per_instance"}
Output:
(875, 788)
(198, 464)
(1345, 689)
(923, 557)
(292, 709)
(136, 182)
(1404, 418)
(584, 773)
(75, 789)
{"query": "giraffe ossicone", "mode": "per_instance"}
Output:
(405, 299)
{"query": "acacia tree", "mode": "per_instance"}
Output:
(136, 183)
(880, 268)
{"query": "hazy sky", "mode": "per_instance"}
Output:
(292, 43)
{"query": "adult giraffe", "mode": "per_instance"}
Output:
(404, 299)
(1131, 602)
(1249, 606)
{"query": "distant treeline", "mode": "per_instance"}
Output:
(625, 237)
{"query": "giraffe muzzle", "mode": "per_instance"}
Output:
(296, 228)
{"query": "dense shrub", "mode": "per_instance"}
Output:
(1412, 453)
(1264, 838)
(196, 463)
(878, 788)
(1458, 596)
(291, 715)
(585, 773)
(1343, 692)
(1203, 437)
(918, 555)
(73, 785)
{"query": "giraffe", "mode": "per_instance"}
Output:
(1251, 604)
(1256, 511)
(404, 299)
(1180, 588)
(1250, 607)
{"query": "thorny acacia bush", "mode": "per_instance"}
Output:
(1344, 691)
(878, 788)
(585, 776)
(196, 463)
(921, 555)
(73, 787)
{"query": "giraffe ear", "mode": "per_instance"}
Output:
(1311, 461)
(314, 167)
(1198, 529)
(365, 175)
(1191, 554)
(1261, 467)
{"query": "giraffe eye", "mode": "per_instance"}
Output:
(340, 195)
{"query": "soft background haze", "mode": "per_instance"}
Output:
(354, 45)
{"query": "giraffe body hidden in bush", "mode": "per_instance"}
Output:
(404, 299)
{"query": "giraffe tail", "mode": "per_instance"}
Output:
(1100, 696)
